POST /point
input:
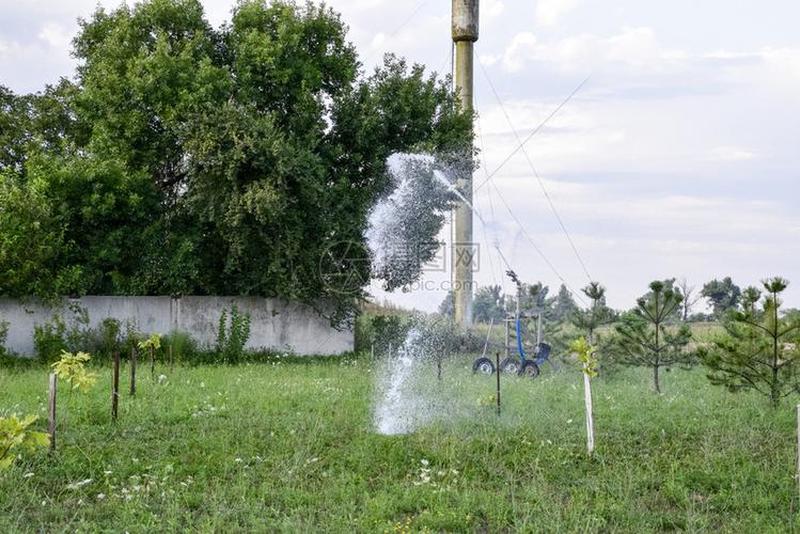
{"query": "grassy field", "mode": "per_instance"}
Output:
(289, 447)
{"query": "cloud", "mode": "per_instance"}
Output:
(522, 48)
(548, 12)
(635, 48)
(731, 153)
(492, 8)
(56, 35)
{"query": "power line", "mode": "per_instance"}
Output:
(536, 174)
(534, 132)
(535, 246)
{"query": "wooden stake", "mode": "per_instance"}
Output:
(51, 420)
(798, 450)
(133, 371)
(587, 395)
(497, 372)
(115, 387)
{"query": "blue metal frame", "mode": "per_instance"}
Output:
(543, 348)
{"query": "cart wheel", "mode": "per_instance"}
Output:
(483, 366)
(510, 366)
(530, 370)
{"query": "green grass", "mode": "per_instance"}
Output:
(289, 447)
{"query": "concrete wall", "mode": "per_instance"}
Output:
(275, 324)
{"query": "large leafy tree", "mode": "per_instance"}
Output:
(648, 337)
(723, 295)
(240, 161)
(759, 348)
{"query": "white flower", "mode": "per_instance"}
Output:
(238, 460)
(424, 462)
(101, 496)
(76, 485)
(162, 379)
(27, 475)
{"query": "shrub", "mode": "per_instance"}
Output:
(15, 434)
(380, 331)
(49, 340)
(232, 335)
(3, 337)
(184, 347)
(70, 367)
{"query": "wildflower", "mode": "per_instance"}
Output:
(101, 496)
(424, 462)
(76, 485)
(162, 379)
(27, 475)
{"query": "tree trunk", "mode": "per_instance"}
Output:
(656, 384)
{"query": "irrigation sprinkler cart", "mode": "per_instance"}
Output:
(521, 363)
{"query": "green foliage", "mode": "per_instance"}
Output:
(49, 340)
(232, 335)
(184, 348)
(381, 332)
(587, 356)
(152, 343)
(447, 307)
(3, 337)
(16, 435)
(590, 320)
(562, 306)
(723, 295)
(109, 336)
(30, 240)
(188, 160)
(760, 349)
(488, 305)
(596, 315)
(646, 337)
(71, 367)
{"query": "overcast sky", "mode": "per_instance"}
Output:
(679, 157)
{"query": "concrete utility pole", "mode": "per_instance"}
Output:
(465, 33)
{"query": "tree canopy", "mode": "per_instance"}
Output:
(184, 159)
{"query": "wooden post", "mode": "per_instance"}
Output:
(133, 371)
(798, 450)
(115, 387)
(497, 372)
(587, 395)
(51, 419)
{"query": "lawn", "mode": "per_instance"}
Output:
(289, 447)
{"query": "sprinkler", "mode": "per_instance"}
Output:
(521, 364)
